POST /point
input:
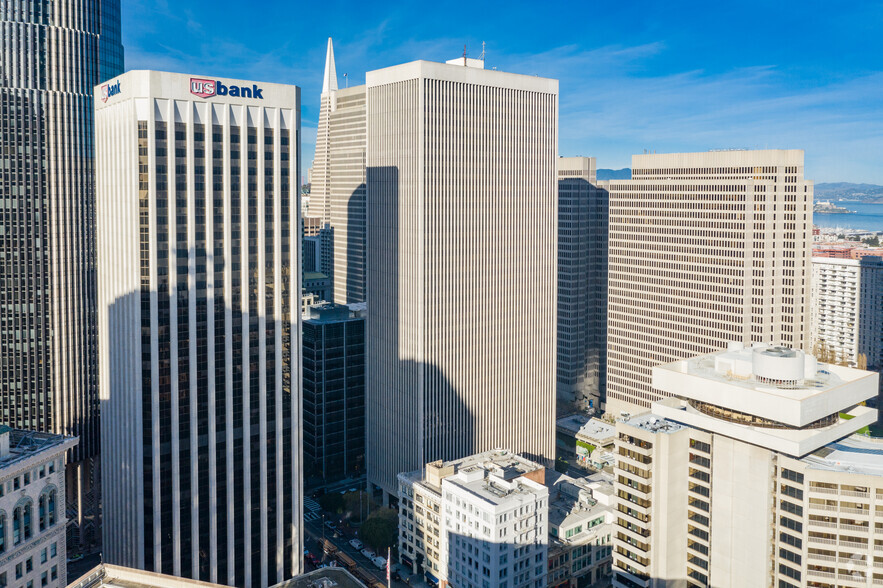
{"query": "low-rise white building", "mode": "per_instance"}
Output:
(584, 439)
(480, 521)
(580, 529)
(750, 474)
(33, 518)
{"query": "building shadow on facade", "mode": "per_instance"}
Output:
(414, 413)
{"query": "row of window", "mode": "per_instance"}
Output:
(26, 478)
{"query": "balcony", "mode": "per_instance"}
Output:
(635, 533)
(822, 490)
(859, 528)
(822, 540)
(822, 524)
(820, 557)
(632, 489)
(818, 574)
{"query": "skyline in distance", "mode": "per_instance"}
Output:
(633, 77)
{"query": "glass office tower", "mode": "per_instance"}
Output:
(52, 54)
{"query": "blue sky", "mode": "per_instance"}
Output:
(669, 76)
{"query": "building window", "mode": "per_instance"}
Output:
(21, 522)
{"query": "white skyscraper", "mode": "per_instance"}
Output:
(337, 191)
(461, 287)
(704, 248)
(199, 327)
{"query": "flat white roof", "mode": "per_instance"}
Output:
(586, 426)
(853, 454)
(722, 158)
(654, 423)
(493, 489)
(457, 73)
(795, 400)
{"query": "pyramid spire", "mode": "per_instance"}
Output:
(329, 82)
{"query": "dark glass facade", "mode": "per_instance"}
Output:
(582, 295)
(334, 395)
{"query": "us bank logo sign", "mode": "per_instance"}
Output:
(108, 90)
(208, 88)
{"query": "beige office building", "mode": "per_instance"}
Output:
(750, 474)
(462, 239)
(337, 192)
(704, 248)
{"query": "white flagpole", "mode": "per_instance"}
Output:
(389, 567)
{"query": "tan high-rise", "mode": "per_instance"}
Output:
(461, 287)
(704, 248)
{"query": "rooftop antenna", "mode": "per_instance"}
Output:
(481, 57)
(346, 81)
(464, 54)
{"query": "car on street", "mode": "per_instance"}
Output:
(378, 561)
(331, 525)
(368, 553)
(356, 543)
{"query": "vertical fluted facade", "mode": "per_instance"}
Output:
(704, 248)
(337, 190)
(347, 193)
(462, 263)
(200, 338)
(52, 54)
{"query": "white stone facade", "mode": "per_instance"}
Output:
(199, 274)
(338, 181)
(497, 530)
(478, 521)
(33, 516)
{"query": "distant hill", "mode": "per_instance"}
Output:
(848, 191)
(615, 174)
